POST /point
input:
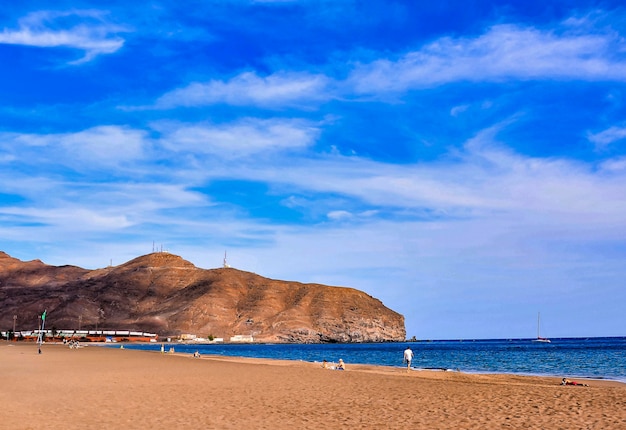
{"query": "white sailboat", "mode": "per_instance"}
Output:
(539, 338)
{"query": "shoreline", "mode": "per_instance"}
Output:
(117, 345)
(450, 370)
(368, 367)
(95, 388)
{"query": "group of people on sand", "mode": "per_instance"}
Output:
(170, 351)
(339, 366)
(408, 357)
(73, 344)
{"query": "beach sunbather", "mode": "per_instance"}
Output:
(341, 365)
(566, 381)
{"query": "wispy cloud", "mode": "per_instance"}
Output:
(84, 30)
(243, 138)
(102, 146)
(606, 137)
(485, 179)
(614, 165)
(249, 89)
(504, 52)
(94, 207)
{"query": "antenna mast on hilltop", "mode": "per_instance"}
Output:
(226, 266)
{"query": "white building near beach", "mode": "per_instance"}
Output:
(242, 338)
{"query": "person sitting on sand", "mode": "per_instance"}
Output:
(196, 354)
(324, 364)
(566, 381)
(341, 365)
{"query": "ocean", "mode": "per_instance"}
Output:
(596, 358)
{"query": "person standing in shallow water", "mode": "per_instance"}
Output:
(408, 357)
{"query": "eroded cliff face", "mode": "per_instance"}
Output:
(165, 294)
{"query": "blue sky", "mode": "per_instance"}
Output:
(464, 163)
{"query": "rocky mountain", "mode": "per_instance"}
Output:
(165, 294)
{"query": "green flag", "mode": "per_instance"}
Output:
(43, 316)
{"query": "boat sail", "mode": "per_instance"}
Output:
(539, 338)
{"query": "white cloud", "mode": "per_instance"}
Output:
(504, 52)
(608, 136)
(339, 215)
(98, 146)
(275, 90)
(613, 165)
(484, 181)
(243, 138)
(74, 208)
(457, 110)
(105, 144)
(88, 32)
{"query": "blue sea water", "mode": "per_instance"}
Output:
(597, 358)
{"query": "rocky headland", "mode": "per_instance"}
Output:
(163, 293)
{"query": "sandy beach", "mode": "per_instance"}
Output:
(104, 388)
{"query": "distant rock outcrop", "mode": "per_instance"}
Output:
(165, 294)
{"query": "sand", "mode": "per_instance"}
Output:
(102, 388)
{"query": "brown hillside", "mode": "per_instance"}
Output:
(165, 294)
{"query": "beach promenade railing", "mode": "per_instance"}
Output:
(87, 335)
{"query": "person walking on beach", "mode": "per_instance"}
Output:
(408, 357)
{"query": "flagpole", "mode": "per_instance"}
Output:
(43, 323)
